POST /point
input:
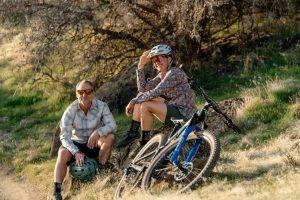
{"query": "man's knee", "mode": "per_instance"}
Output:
(109, 140)
(64, 155)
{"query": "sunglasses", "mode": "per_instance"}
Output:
(158, 58)
(87, 92)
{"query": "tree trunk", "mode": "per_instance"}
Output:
(55, 141)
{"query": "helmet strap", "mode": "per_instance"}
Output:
(170, 63)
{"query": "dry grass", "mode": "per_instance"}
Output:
(257, 173)
(265, 93)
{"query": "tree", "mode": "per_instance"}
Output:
(71, 40)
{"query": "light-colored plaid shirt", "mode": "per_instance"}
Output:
(76, 126)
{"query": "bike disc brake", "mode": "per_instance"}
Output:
(180, 175)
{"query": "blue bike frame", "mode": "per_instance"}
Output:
(183, 138)
(191, 126)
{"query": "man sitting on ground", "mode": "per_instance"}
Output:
(87, 129)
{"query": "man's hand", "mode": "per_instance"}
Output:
(129, 109)
(93, 140)
(143, 60)
(79, 156)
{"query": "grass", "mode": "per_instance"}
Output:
(273, 64)
(261, 163)
(27, 131)
(269, 109)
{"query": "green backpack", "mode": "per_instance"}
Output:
(85, 172)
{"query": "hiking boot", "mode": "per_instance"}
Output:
(57, 196)
(130, 137)
(146, 136)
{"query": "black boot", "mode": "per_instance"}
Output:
(131, 135)
(57, 191)
(145, 137)
(57, 196)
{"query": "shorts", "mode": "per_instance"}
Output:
(172, 112)
(91, 153)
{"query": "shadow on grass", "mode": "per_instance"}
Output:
(241, 175)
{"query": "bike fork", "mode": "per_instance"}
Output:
(181, 143)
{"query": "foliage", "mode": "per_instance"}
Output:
(71, 40)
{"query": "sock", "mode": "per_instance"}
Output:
(145, 137)
(57, 187)
(135, 126)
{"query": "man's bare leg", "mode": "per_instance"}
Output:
(61, 165)
(105, 143)
(60, 171)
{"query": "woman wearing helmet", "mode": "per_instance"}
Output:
(165, 96)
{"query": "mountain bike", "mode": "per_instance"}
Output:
(176, 160)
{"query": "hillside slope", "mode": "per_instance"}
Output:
(261, 163)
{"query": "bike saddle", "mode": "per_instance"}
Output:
(177, 121)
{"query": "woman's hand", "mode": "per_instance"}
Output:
(143, 60)
(129, 109)
(93, 140)
(79, 156)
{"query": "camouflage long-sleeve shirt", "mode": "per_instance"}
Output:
(173, 87)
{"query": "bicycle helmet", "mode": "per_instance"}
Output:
(85, 172)
(161, 49)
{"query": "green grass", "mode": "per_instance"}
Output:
(29, 120)
(275, 64)
(272, 107)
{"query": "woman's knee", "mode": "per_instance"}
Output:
(137, 106)
(145, 106)
(136, 111)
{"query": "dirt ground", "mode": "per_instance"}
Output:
(13, 189)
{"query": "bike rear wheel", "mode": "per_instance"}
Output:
(132, 175)
(162, 174)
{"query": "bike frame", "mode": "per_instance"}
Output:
(182, 141)
(191, 126)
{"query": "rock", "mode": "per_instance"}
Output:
(121, 89)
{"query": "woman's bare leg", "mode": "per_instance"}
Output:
(136, 116)
(150, 108)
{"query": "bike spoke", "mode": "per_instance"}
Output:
(186, 178)
(163, 169)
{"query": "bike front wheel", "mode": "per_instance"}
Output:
(162, 174)
(132, 175)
